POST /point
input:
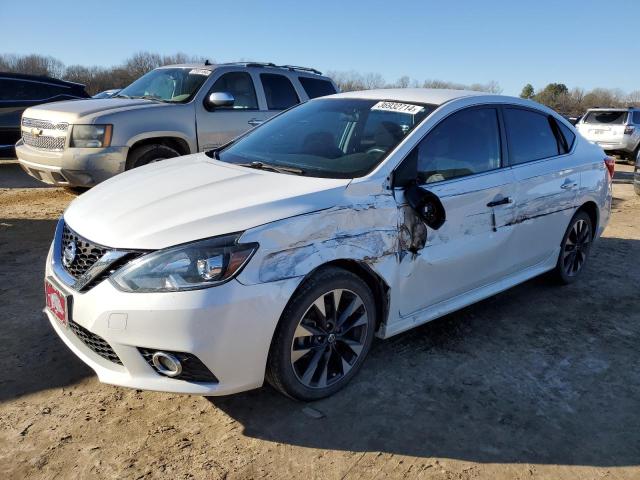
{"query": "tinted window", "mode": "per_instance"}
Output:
(11, 89)
(611, 118)
(324, 137)
(636, 118)
(568, 135)
(530, 136)
(316, 87)
(464, 143)
(240, 85)
(279, 91)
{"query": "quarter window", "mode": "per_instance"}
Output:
(530, 136)
(316, 87)
(464, 143)
(568, 135)
(240, 85)
(279, 91)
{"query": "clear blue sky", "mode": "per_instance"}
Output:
(586, 43)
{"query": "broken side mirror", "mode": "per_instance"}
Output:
(427, 205)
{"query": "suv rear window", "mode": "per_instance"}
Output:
(610, 118)
(316, 88)
(279, 91)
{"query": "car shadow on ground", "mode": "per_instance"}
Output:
(538, 374)
(32, 356)
(12, 176)
(623, 177)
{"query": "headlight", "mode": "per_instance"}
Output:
(191, 266)
(91, 136)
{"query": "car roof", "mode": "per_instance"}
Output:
(433, 96)
(615, 109)
(268, 66)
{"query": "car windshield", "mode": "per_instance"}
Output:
(334, 138)
(176, 85)
(614, 117)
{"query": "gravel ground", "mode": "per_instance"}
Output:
(541, 381)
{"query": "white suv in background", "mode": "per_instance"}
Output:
(283, 253)
(616, 130)
(171, 111)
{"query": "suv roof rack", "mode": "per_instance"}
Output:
(273, 65)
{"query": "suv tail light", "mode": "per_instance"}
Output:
(610, 163)
(628, 130)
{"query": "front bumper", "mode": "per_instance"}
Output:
(72, 167)
(228, 327)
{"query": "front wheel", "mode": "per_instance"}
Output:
(323, 336)
(575, 248)
(147, 154)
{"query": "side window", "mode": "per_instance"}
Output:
(464, 143)
(568, 135)
(530, 136)
(316, 88)
(636, 117)
(240, 85)
(279, 91)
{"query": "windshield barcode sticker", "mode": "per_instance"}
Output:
(398, 107)
(200, 71)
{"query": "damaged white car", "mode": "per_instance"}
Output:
(282, 254)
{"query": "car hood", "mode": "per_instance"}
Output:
(193, 197)
(71, 111)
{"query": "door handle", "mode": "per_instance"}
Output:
(568, 184)
(502, 201)
(254, 122)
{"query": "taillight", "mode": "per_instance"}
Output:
(629, 130)
(610, 163)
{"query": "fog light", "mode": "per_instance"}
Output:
(167, 364)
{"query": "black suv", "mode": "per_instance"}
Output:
(18, 92)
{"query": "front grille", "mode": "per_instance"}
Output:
(44, 142)
(193, 370)
(95, 342)
(44, 124)
(87, 253)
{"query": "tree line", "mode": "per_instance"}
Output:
(96, 79)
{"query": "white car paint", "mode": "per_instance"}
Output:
(302, 223)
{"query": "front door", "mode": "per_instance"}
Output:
(219, 126)
(461, 161)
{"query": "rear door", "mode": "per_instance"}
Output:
(547, 176)
(219, 126)
(461, 161)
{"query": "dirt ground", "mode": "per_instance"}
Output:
(541, 381)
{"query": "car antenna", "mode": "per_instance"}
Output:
(207, 62)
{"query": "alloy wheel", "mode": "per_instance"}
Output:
(576, 248)
(329, 338)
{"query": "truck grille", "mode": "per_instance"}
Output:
(96, 343)
(44, 124)
(44, 142)
(87, 253)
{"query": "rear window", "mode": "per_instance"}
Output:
(279, 91)
(530, 136)
(604, 117)
(316, 88)
(17, 89)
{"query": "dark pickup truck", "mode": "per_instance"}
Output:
(18, 92)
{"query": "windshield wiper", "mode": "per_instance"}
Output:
(121, 95)
(272, 168)
(152, 97)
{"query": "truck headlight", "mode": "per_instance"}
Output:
(190, 266)
(91, 136)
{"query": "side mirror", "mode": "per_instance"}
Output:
(218, 99)
(427, 205)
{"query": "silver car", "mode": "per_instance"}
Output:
(171, 111)
(616, 130)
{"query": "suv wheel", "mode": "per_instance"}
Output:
(149, 154)
(575, 248)
(323, 337)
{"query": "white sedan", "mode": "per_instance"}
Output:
(283, 253)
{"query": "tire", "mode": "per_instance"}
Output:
(574, 249)
(336, 350)
(148, 154)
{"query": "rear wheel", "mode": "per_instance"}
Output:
(575, 248)
(149, 154)
(323, 336)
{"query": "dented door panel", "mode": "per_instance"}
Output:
(468, 251)
(546, 201)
